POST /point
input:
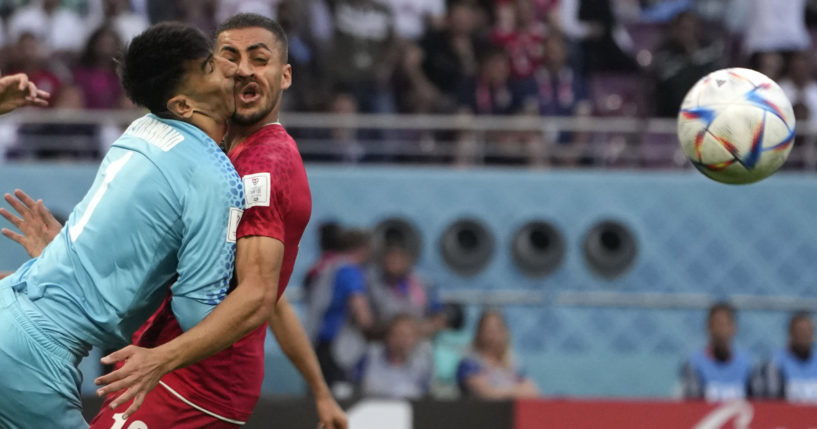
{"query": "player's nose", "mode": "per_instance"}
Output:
(244, 69)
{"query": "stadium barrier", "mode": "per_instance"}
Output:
(299, 413)
(578, 333)
(432, 139)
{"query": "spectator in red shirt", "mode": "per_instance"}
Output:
(31, 60)
(96, 73)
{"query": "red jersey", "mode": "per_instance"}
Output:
(278, 205)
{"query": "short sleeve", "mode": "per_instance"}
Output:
(267, 201)
(211, 211)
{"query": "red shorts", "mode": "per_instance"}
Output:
(161, 409)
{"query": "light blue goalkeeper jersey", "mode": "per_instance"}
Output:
(165, 202)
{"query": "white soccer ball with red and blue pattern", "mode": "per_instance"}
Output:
(736, 126)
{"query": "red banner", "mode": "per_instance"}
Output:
(576, 414)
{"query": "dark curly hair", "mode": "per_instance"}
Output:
(251, 20)
(153, 64)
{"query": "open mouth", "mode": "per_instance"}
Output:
(249, 93)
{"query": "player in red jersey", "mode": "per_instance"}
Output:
(222, 390)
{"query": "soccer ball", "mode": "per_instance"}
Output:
(736, 126)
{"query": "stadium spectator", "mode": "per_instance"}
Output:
(450, 55)
(718, 372)
(680, 60)
(561, 90)
(329, 236)
(118, 14)
(489, 371)
(395, 288)
(228, 8)
(200, 13)
(770, 63)
(791, 373)
(493, 91)
(415, 93)
(413, 18)
(337, 311)
(30, 58)
(772, 26)
(544, 11)
(58, 29)
(595, 27)
(96, 73)
(799, 84)
(363, 57)
(400, 367)
(522, 36)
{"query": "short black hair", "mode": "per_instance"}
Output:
(154, 62)
(250, 20)
(721, 306)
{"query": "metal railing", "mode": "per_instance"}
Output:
(435, 139)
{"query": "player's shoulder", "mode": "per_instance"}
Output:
(270, 149)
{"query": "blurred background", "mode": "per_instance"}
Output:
(502, 174)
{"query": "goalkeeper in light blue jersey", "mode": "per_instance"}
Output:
(159, 218)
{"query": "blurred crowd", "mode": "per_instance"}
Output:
(720, 371)
(632, 58)
(375, 324)
(549, 57)
(379, 329)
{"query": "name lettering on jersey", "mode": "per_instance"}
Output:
(256, 190)
(232, 223)
(155, 132)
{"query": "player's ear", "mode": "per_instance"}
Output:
(180, 106)
(286, 77)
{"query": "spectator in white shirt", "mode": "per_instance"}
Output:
(799, 84)
(412, 18)
(119, 14)
(59, 29)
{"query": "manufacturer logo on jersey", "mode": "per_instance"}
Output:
(256, 190)
(232, 223)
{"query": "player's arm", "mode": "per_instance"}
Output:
(17, 91)
(36, 224)
(258, 264)
(294, 342)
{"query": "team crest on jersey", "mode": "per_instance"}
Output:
(256, 190)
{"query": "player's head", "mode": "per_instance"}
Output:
(258, 45)
(170, 70)
(721, 324)
(801, 334)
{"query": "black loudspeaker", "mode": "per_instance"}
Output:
(467, 246)
(610, 248)
(537, 248)
(396, 231)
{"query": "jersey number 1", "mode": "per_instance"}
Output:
(110, 173)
